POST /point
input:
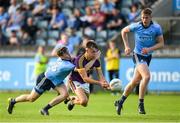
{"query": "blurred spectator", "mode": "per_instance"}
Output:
(134, 13)
(79, 3)
(29, 32)
(13, 7)
(63, 41)
(41, 62)
(56, 3)
(3, 39)
(117, 20)
(117, 4)
(98, 18)
(16, 20)
(40, 9)
(88, 17)
(107, 6)
(75, 21)
(74, 39)
(112, 60)
(3, 18)
(29, 2)
(13, 39)
(5, 3)
(58, 20)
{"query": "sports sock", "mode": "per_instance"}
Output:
(47, 107)
(123, 98)
(13, 101)
(141, 101)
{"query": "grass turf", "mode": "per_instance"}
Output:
(159, 108)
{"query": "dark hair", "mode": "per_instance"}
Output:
(91, 44)
(61, 51)
(146, 11)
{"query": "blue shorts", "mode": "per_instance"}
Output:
(141, 59)
(43, 85)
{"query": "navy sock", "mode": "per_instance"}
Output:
(123, 98)
(47, 107)
(13, 101)
(141, 101)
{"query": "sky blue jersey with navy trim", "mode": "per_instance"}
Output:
(145, 37)
(59, 71)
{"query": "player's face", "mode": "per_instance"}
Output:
(146, 19)
(92, 52)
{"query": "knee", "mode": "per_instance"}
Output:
(146, 78)
(134, 84)
(65, 95)
(31, 99)
(84, 102)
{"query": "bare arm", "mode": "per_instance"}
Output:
(84, 76)
(102, 78)
(158, 45)
(125, 40)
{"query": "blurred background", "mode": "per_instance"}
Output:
(26, 25)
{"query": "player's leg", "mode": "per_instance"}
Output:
(145, 73)
(63, 94)
(82, 94)
(128, 89)
(22, 98)
(81, 98)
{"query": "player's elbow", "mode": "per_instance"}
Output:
(124, 31)
(162, 44)
(85, 79)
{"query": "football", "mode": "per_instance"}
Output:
(115, 84)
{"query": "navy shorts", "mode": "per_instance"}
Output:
(141, 59)
(43, 85)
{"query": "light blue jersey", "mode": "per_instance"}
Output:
(145, 37)
(58, 72)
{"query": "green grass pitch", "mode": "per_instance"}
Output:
(159, 108)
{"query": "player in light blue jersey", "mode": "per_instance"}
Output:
(53, 78)
(148, 37)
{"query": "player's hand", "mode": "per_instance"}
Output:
(127, 51)
(104, 84)
(145, 51)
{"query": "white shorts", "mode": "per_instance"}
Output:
(74, 85)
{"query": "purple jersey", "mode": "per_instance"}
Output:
(80, 62)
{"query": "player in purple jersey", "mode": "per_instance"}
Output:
(148, 37)
(80, 80)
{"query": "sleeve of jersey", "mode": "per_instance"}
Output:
(79, 62)
(132, 27)
(159, 31)
(97, 64)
